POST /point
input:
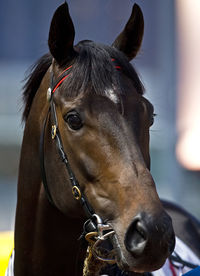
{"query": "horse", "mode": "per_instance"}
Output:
(84, 169)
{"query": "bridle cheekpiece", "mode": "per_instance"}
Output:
(95, 231)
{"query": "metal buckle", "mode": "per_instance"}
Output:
(49, 94)
(53, 132)
(76, 192)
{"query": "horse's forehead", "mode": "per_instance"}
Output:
(112, 95)
(112, 105)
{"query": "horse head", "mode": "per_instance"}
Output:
(103, 121)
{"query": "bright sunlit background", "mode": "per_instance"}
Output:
(188, 104)
(169, 66)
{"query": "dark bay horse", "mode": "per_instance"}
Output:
(85, 158)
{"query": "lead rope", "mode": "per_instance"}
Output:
(92, 265)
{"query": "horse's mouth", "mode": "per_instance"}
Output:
(110, 250)
(133, 267)
(103, 248)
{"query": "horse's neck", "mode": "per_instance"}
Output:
(48, 245)
(45, 240)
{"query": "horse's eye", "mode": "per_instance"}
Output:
(74, 120)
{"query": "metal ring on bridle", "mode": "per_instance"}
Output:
(95, 245)
(76, 192)
(90, 237)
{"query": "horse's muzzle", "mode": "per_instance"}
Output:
(150, 239)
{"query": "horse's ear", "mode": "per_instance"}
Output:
(61, 35)
(130, 39)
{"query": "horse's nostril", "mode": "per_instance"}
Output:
(136, 238)
(147, 231)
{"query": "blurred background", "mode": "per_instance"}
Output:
(168, 65)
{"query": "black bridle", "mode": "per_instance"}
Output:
(55, 134)
(94, 229)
